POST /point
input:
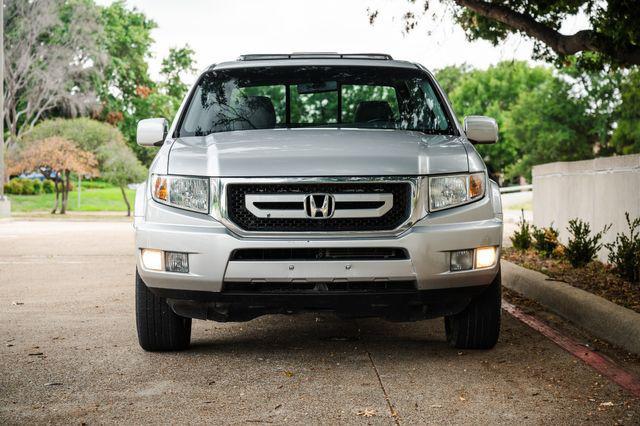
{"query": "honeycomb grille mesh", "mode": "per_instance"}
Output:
(243, 218)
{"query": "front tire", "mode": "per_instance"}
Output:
(478, 326)
(159, 328)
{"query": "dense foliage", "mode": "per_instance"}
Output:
(56, 158)
(127, 92)
(582, 246)
(612, 36)
(72, 57)
(545, 240)
(521, 238)
(624, 251)
(116, 161)
(546, 116)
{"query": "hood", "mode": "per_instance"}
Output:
(317, 152)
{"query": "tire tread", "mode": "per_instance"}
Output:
(159, 328)
(478, 326)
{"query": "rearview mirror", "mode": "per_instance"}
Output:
(322, 87)
(481, 129)
(152, 131)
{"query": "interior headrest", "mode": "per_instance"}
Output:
(368, 111)
(258, 113)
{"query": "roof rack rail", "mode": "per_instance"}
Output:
(315, 55)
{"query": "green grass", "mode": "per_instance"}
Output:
(91, 200)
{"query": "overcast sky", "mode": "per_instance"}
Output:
(220, 30)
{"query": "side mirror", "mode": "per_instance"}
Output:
(152, 131)
(481, 129)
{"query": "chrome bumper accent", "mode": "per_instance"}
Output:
(329, 271)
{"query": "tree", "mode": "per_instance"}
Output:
(493, 92)
(626, 136)
(121, 167)
(600, 90)
(89, 135)
(115, 160)
(613, 37)
(450, 76)
(549, 125)
(2, 166)
(51, 58)
(127, 92)
(56, 158)
(127, 41)
(174, 66)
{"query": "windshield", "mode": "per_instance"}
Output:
(314, 96)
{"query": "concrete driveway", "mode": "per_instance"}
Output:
(69, 355)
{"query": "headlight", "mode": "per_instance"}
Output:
(455, 190)
(189, 193)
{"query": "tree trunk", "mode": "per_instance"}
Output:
(2, 166)
(126, 201)
(65, 191)
(55, 187)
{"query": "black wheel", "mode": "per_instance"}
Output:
(478, 326)
(159, 328)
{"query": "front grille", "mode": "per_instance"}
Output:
(317, 254)
(243, 218)
(320, 287)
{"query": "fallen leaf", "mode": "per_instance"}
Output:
(367, 412)
(462, 398)
(288, 373)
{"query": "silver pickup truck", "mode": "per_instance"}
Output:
(317, 182)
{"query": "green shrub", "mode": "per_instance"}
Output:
(95, 184)
(545, 240)
(37, 186)
(23, 186)
(582, 248)
(521, 239)
(624, 252)
(14, 186)
(48, 186)
(27, 187)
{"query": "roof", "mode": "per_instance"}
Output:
(314, 58)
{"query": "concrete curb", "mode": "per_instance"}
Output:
(604, 319)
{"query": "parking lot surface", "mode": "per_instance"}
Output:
(69, 354)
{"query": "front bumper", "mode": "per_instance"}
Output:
(210, 246)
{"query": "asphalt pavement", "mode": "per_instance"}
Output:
(69, 354)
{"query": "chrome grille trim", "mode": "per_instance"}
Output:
(220, 213)
(252, 199)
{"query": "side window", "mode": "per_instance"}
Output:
(313, 108)
(380, 100)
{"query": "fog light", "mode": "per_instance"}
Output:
(152, 259)
(485, 257)
(461, 260)
(176, 262)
